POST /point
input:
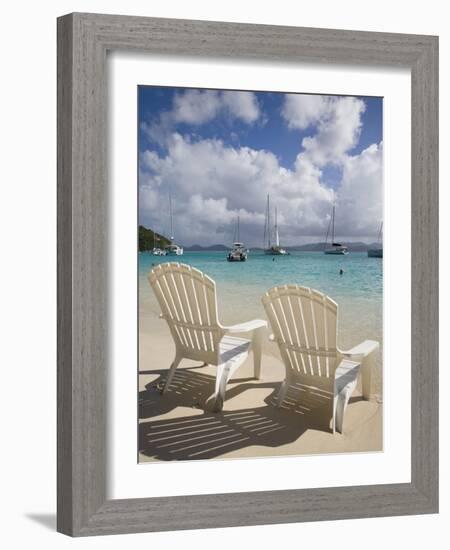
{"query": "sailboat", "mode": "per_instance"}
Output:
(378, 251)
(172, 248)
(272, 249)
(157, 250)
(238, 253)
(336, 248)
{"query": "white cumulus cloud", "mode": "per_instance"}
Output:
(242, 105)
(303, 110)
(360, 199)
(212, 184)
(198, 107)
(337, 121)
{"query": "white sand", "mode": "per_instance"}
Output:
(176, 427)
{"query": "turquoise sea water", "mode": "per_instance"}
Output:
(240, 285)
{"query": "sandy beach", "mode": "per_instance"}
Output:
(177, 427)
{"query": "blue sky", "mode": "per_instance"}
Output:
(271, 133)
(224, 151)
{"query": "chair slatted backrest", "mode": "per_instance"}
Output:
(304, 324)
(188, 302)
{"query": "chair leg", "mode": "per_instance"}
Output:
(222, 377)
(367, 366)
(218, 403)
(340, 403)
(344, 385)
(224, 372)
(172, 370)
(282, 392)
(257, 352)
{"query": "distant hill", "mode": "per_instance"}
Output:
(148, 239)
(147, 242)
(213, 247)
(319, 247)
(316, 247)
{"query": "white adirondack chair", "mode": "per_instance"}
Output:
(188, 302)
(304, 324)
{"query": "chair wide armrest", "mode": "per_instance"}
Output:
(246, 327)
(361, 350)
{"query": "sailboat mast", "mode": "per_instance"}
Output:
(268, 221)
(238, 232)
(171, 214)
(380, 233)
(277, 237)
(265, 229)
(332, 227)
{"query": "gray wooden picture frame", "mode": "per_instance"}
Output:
(83, 41)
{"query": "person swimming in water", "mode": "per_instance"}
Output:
(341, 272)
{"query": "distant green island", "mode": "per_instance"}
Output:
(148, 239)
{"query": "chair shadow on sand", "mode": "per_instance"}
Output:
(209, 435)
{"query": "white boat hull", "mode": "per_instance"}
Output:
(159, 252)
(337, 251)
(238, 253)
(276, 252)
(175, 251)
(241, 257)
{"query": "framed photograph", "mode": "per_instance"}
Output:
(278, 199)
(247, 274)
